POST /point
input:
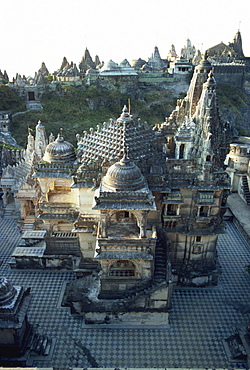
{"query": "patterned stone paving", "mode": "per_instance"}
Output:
(200, 319)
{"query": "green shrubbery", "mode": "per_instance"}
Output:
(76, 110)
(232, 104)
(231, 97)
(9, 100)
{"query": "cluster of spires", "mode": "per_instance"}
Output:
(155, 62)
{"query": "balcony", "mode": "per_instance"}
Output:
(205, 198)
(173, 197)
(57, 211)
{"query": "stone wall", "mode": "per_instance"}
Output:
(230, 74)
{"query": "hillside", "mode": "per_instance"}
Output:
(234, 105)
(77, 109)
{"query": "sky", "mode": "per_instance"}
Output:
(36, 31)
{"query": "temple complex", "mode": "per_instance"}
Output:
(173, 71)
(188, 51)
(228, 53)
(133, 211)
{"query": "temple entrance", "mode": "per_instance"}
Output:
(122, 269)
(59, 192)
(8, 197)
(181, 154)
(123, 224)
(61, 227)
(31, 95)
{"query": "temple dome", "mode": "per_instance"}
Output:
(59, 150)
(7, 292)
(124, 176)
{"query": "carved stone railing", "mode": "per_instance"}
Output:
(63, 211)
(136, 244)
(53, 166)
(63, 245)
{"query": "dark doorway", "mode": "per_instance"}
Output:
(182, 147)
(31, 95)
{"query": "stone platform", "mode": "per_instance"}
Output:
(200, 320)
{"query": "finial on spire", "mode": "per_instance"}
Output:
(211, 81)
(125, 117)
(126, 151)
(59, 136)
(125, 159)
(125, 109)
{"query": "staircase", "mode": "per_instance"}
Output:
(9, 211)
(131, 294)
(34, 105)
(86, 267)
(246, 189)
(41, 344)
(29, 223)
(160, 270)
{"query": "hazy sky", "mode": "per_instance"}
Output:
(36, 31)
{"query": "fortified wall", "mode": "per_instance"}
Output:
(228, 73)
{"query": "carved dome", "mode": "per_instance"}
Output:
(7, 292)
(59, 150)
(124, 176)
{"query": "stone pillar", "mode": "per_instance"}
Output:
(35, 202)
(198, 211)
(16, 201)
(177, 150)
(186, 150)
(23, 209)
(5, 197)
(208, 211)
(143, 225)
(48, 227)
(104, 232)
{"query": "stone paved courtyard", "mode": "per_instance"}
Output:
(200, 319)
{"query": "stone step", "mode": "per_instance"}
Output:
(28, 227)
